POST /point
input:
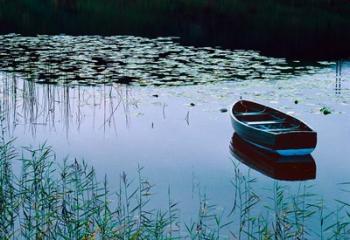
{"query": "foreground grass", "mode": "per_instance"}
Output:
(48, 200)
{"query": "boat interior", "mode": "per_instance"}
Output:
(266, 119)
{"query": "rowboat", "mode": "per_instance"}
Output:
(289, 168)
(272, 130)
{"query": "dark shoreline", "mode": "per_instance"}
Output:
(308, 31)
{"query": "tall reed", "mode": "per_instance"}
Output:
(48, 200)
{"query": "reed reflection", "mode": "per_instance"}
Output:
(291, 168)
(338, 77)
(62, 107)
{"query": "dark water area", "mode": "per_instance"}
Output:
(298, 30)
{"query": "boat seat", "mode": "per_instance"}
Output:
(251, 113)
(282, 129)
(265, 122)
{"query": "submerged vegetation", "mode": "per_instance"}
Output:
(50, 199)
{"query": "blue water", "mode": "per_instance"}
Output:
(180, 135)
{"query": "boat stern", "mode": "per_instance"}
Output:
(296, 143)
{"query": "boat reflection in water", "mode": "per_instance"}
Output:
(291, 168)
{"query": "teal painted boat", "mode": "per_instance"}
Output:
(272, 130)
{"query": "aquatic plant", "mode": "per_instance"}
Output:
(48, 200)
(325, 110)
(90, 60)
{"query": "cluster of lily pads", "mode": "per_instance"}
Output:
(127, 59)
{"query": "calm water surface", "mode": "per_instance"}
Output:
(180, 134)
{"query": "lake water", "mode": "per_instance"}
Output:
(171, 116)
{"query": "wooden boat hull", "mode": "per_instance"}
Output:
(249, 125)
(286, 152)
(289, 168)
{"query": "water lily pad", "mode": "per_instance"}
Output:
(137, 60)
(325, 110)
